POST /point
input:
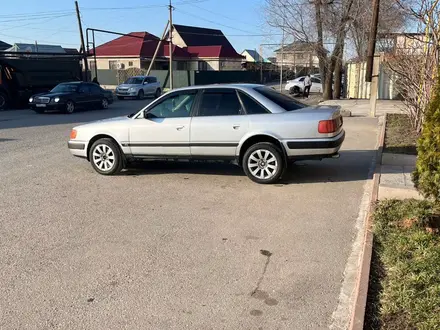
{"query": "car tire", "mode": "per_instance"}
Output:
(263, 163)
(106, 157)
(158, 93)
(120, 97)
(70, 107)
(140, 95)
(3, 101)
(104, 103)
(296, 90)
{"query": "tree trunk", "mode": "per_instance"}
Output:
(327, 94)
(320, 50)
(338, 75)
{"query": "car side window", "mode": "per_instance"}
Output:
(251, 106)
(84, 89)
(175, 106)
(302, 79)
(95, 89)
(147, 81)
(316, 81)
(153, 80)
(220, 103)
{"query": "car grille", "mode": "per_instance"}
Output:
(123, 89)
(42, 100)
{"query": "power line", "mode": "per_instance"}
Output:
(141, 7)
(221, 15)
(33, 40)
(213, 22)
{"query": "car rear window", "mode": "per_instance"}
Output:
(284, 101)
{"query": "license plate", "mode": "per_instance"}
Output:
(40, 105)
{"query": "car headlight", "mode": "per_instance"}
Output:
(31, 99)
(56, 100)
(132, 89)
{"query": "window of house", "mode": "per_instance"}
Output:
(220, 103)
(182, 65)
(251, 106)
(174, 106)
(92, 65)
(130, 63)
(203, 66)
(113, 65)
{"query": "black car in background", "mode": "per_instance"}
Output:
(70, 96)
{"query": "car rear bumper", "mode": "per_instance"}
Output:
(314, 148)
(78, 148)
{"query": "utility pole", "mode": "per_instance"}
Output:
(86, 65)
(372, 41)
(261, 63)
(171, 44)
(282, 61)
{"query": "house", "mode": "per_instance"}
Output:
(4, 46)
(298, 56)
(209, 48)
(253, 56)
(402, 43)
(136, 50)
(36, 48)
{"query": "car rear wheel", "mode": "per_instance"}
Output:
(263, 163)
(105, 157)
(70, 107)
(3, 101)
(104, 103)
(157, 93)
(140, 95)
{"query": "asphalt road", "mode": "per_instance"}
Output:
(170, 246)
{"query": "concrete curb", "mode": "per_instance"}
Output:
(358, 312)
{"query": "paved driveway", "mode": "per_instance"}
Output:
(170, 246)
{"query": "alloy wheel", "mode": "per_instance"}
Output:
(103, 157)
(70, 107)
(104, 103)
(262, 164)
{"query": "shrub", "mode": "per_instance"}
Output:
(426, 176)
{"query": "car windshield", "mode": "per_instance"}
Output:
(134, 81)
(63, 88)
(284, 101)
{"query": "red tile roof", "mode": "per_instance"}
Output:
(143, 44)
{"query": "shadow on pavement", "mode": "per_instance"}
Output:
(353, 165)
(28, 118)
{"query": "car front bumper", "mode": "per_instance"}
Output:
(78, 148)
(126, 94)
(47, 106)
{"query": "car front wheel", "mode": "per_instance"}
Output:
(70, 107)
(105, 157)
(263, 163)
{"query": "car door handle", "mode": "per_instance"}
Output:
(179, 128)
(235, 126)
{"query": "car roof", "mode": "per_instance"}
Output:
(236, 86)
(71, 82)
(143, 77)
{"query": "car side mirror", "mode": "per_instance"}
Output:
(145, 82)
(148, 115)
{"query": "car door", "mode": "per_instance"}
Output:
(83, 95)
(316, 85)
(165, 130)
(218, 124)
(96, 94)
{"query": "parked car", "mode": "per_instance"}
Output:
(255, 126)
(139, 87)
(296, 86)
(69, 97)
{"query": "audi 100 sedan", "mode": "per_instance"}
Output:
(254, 126)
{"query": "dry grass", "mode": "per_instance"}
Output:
(400, 137)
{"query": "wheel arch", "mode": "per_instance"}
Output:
(103, 136)
(262, 137)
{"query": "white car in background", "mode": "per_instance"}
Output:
(296, 86)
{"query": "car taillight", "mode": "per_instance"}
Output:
(73, 134)
(329, 126)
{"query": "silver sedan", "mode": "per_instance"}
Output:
(253, 126)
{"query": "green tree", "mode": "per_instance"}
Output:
(426, 176)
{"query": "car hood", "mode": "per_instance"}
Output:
(127, 85)
(105, 122)
(51, 95)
